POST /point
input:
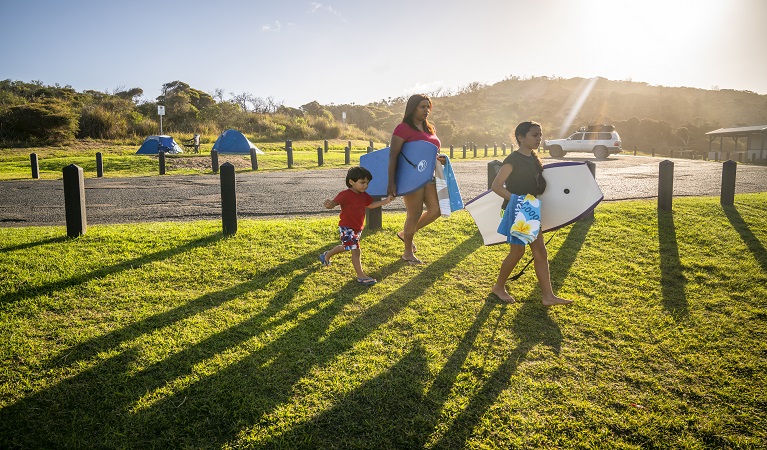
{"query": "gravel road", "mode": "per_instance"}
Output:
(293, 193)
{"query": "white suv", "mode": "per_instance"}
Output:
(602, 140)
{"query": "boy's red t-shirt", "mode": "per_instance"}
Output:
(353, 206)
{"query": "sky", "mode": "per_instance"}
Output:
(360, 51)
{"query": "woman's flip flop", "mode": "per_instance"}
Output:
(403, 240)
(367, 281)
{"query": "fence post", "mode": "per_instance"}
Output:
(326, 145)
(253, 159)
(99, 165)
(593, 169)
(451, 151)
(374, 217)
(161, 159)
(289, 150)
(228, 200)
(347, 155)
(492, 170)
(214, 160)
(727, 197)
(74, 200)
(464, 151)
(665, 185)
(35, 165)
(320, 159)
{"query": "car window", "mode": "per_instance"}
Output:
(591, 136)
(576, 136)
(605, 136)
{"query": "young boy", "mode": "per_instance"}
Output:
(354, 202)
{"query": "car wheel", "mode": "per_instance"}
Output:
(601, 152)
(556, 152)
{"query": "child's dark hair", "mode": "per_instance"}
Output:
(357, 173)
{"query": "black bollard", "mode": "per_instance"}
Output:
(99, 165)
(475, 150)
(492, 170)
(326, 145)
(593, 169)
(727, 197)
(289, 150)
(451, 151)
(495, 149)
(35, 165)
(665, 185)
(253, 159)
(485, 150)
(320, 157)
(228, 200)
(374, 216)
(347, 155)
(161, 158)
(214, 160)
(464, 151)
(503, 148)
(74, 200)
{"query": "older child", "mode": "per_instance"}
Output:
(354, 201)
(521, 175)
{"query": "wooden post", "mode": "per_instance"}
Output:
(493, 167)
(326, 145)
(464, 151)
(665, 185)
(451, 151)
(289, 150)
(99, 165)
(503, 148)
(727, 197)
(653, 151)
(475, 149)
(320, 159)
(253, 159)
(485, 150)
(35, 165)
(74, 200)
(347, 155)
(375, 216)
(214, 160)
(161, 159)
(495, 149)
(228, 200)
(635, 150)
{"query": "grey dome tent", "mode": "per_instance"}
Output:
(233, 141)
(153, 144)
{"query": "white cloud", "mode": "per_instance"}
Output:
(328, 8)
(276, 27)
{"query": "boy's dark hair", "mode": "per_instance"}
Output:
(357, 173)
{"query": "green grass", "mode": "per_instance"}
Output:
(168, 335)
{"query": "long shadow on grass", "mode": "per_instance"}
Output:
(93, 407)
(218, 407)
(752, 242)
(562, 262)
(53, 240)
(113, 405)
(533, 326)
(114, 339)
(672, 279)
(52, 287)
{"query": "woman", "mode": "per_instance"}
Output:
(521, 174)
(415, 126)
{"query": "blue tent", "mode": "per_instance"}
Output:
(153, 144)
(232, 141)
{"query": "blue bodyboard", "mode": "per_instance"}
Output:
(415, 168)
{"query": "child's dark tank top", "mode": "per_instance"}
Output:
(523, 178)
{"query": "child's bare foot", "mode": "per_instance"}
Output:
(503, 295)
(554, 300)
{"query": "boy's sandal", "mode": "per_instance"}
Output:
(367, 281)
(403, 240)
(324, 261)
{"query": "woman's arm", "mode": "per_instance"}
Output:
(394, 150)
(500, 179)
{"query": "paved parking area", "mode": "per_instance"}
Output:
(299, 193)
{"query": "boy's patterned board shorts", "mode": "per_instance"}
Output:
(350, 238)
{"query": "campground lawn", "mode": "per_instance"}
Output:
(168, 335)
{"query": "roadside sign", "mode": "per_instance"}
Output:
(160, 110)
